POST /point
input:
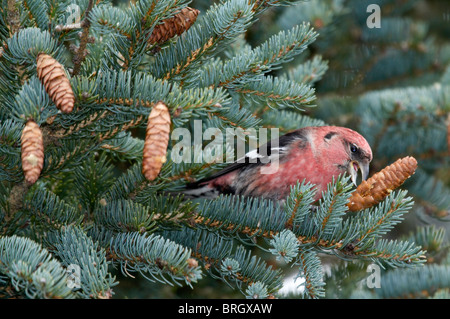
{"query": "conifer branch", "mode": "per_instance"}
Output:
(155, 257)
(311, 269)
(48, 209)
(31, 271)
(74, 247)
(222, 261)
(414, 283)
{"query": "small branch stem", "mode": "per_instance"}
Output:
(13, 17)
(81, 52)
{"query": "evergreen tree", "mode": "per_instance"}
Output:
(92, 95)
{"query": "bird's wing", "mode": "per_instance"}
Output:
(263, 155)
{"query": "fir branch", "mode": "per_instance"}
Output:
(285, 246)
(139, 89)
(220, 25)
(432, 193)
(414, 283)
(169, 211)
(311, 271)
(395, 253)
(124, 216)
(277, 93)
(332, 207)
(25, 45)
(132, 91)
(208, 247)
(50, 210)
(37, 11)
(324, 230)
(74, 247)
(124, 147)
(251, 217)
(378, 221)
(232, 115)
(154, 257)
(298, 203)
(309, 72)
(91, 180)
(10, 161)
(126, 183)
(236, 214)
(31, 270)
(431, 239)
(288, 120)
(31, 103)
(248, 65)
(222, 261)
(106, 19)
(67, 155)
(253, 269)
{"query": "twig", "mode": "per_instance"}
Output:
(67, 27)
(13, 17)
(81, 52)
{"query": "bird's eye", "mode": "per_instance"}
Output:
(353, 148)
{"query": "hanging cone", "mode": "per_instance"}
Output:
(381, 184)
(156, 141)
(52, 75)
(32, 151)
(176, 25)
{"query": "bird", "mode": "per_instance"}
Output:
(315, 154)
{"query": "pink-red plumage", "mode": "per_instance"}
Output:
(316, 154)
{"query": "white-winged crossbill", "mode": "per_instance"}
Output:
(313, 154)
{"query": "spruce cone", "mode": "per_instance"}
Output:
(156, 141)
(32, 151)
(381, 184)
(176, 25)
(52, 75)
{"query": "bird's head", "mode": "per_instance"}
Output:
(345, 149)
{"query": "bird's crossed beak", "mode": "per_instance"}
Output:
(353, 170)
